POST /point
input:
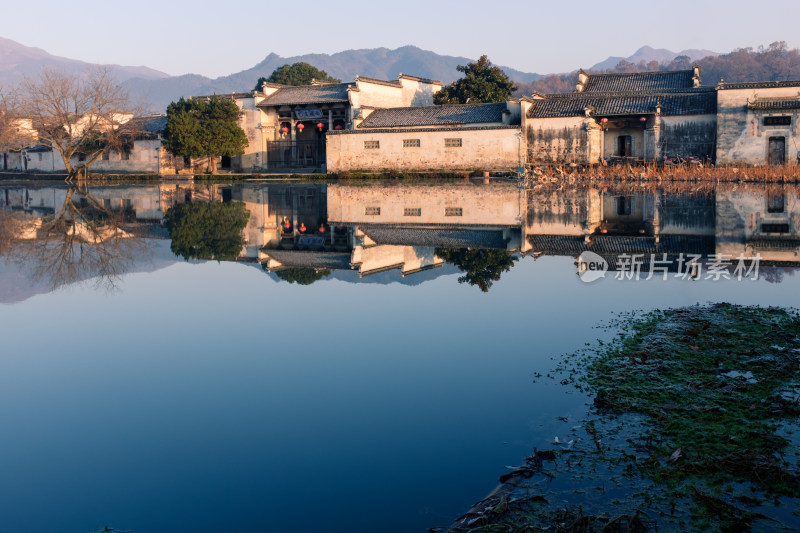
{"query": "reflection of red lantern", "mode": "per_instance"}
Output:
(302, 227)
(287, 224)
(338, 127)
(320, 125)
(322, 228)
(643, 119)
(603, 230)
(284, 130)
(300, 127)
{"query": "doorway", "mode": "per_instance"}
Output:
(776, 153)
(624, 146)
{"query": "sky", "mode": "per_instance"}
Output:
(218, 38)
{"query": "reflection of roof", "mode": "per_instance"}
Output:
(769, 104)
(436, 237)
(774, 244)
(308, 94)
(574, 245)
(438, 115)
(640, 81)
(297, 258)
(689, 102)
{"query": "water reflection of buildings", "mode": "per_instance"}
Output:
(371, 228)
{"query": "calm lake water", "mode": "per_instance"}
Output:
(340, 367)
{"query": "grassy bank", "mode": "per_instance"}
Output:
(691, 429)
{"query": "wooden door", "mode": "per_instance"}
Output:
(776, 153)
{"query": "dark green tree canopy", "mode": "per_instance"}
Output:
(206, 230)
(204, 128)
(296, 74)
(481, 267)
(302, 276)
(481, 83)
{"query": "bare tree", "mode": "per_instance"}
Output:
(83, 239)
(77, 116)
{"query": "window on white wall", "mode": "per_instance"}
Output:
(452, 143)
(372, 145)
(411, 143)
(372, 210)
(412, 212)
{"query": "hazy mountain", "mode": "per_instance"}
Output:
(17, 60)
(647, 54)
(381, 63)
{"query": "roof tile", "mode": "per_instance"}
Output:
(437, 115)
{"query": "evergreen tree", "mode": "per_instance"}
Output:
(204, 128)
(481, 83)
(296, 74)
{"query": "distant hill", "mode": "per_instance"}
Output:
(648, 54)
(381, 63)
(773, 63)
(17, 60)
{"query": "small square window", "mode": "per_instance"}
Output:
(372, 145)
(452, 143)
(126, 155)
(105, 155)
(412, 212)
(411, 143)
(452, 211)
(372, 210)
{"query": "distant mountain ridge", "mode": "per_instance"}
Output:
(648, 53)
(155, 89)
(381, 63)
(18, 60)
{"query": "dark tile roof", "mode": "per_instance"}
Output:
(307, 94)
(758, 85)
(694, 102)
(436, 237)
(775, 104)
(152, 124)
(311, 259)
(437, 115)
(640, 81)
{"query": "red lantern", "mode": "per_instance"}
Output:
(603, 120)
(284, 130)
(322, 228)
(302, 227)
(643, 119)
(603, 230)
(642, 231)
(300, 127)
(338, 127)
(320, 125)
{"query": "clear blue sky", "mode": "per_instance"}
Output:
(220, 38)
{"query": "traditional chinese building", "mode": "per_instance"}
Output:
(642, 116)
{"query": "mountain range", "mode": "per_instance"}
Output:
(155, 89)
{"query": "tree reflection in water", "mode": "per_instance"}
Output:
(83, 239)
(481, 267)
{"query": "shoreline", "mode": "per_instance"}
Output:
(690, 429)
